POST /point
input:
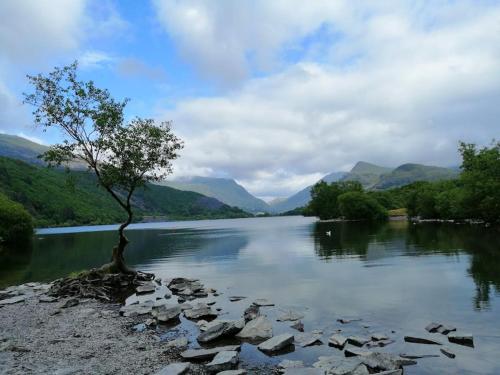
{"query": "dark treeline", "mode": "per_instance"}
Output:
(474, 195)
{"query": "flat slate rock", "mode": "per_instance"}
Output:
(385, 361)
(12, 300)
(200, 310)
(341, 366)
(221, 328)
(358, 340)
(461, 339)
(337, 341)
(167, 313)
(308, 339)
(145, 288)
(347, 321)
(225, 360)
(379, 337)
(447, 352)
(421, 340)
(233, 372)
(236, 298)
(355, 352)
(418, 356)
(290, 315)
(174, 369)
(276, 343)
(304, 371)
(206, 354)
(257, 329)
(380, 343)
(446, 329)
(432, 327)
(262, 302)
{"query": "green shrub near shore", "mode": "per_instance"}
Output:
(16, 224)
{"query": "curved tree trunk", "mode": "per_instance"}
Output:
(117, 263)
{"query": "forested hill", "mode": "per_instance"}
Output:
(55, 200)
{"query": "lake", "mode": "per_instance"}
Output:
(397, 277)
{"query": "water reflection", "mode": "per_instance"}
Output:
(369, 242)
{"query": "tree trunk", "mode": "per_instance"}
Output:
(117, 264)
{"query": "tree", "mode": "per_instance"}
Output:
(324, 198)
(123, 155)
(481, 181)
(356, 205)
(16, 224)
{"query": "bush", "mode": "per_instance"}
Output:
(16, 224)
(360, 206)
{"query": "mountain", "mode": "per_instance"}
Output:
(54, 200)
(366, 173)
(303, 197)
(15, 147)
(407, 173)
(224, 189)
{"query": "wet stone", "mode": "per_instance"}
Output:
(447, 352)
(262, 302)
(225, 360)
(145, 288)
(257, 329)
(199, 311)
(290, 315)
(206, 354)
(308, 339)
(220, 329)
(251, 312)
(358, 340)
(337, 341)
(299, 326)
(421, 340)
(461, 339)
(355, 352)
(174, 369)
(276, 343)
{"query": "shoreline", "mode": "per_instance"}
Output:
(175, 327)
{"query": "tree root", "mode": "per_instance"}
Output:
(100, 285)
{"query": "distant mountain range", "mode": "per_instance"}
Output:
(224, 189)
(228, 191)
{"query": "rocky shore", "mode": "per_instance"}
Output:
(174, 327)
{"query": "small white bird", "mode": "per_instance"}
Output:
(329, 233)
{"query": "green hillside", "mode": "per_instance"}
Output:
(407, 173)
(366, 173)
(55, 200)
(16, 147)
(224, 189)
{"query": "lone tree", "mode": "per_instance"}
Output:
(123, 156)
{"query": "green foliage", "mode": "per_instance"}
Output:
(481, 181)
(324, 198)
(16, 223)
(357, 205)
(52, 202)
(474, 195)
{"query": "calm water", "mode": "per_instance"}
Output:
(396, 276)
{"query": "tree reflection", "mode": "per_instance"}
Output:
(359, 239)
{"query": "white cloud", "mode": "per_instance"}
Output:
(400, 83)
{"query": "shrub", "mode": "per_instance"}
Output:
(16, 224)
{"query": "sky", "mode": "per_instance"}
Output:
(274, 94)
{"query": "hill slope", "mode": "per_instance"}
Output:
(224, 189)
(15, 147)
(366, 173)
(48, 196)
(407, 173)
(303, 197)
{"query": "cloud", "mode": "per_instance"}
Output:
(94, 59)
(399, 83)
(34, 29)
(131, 67)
